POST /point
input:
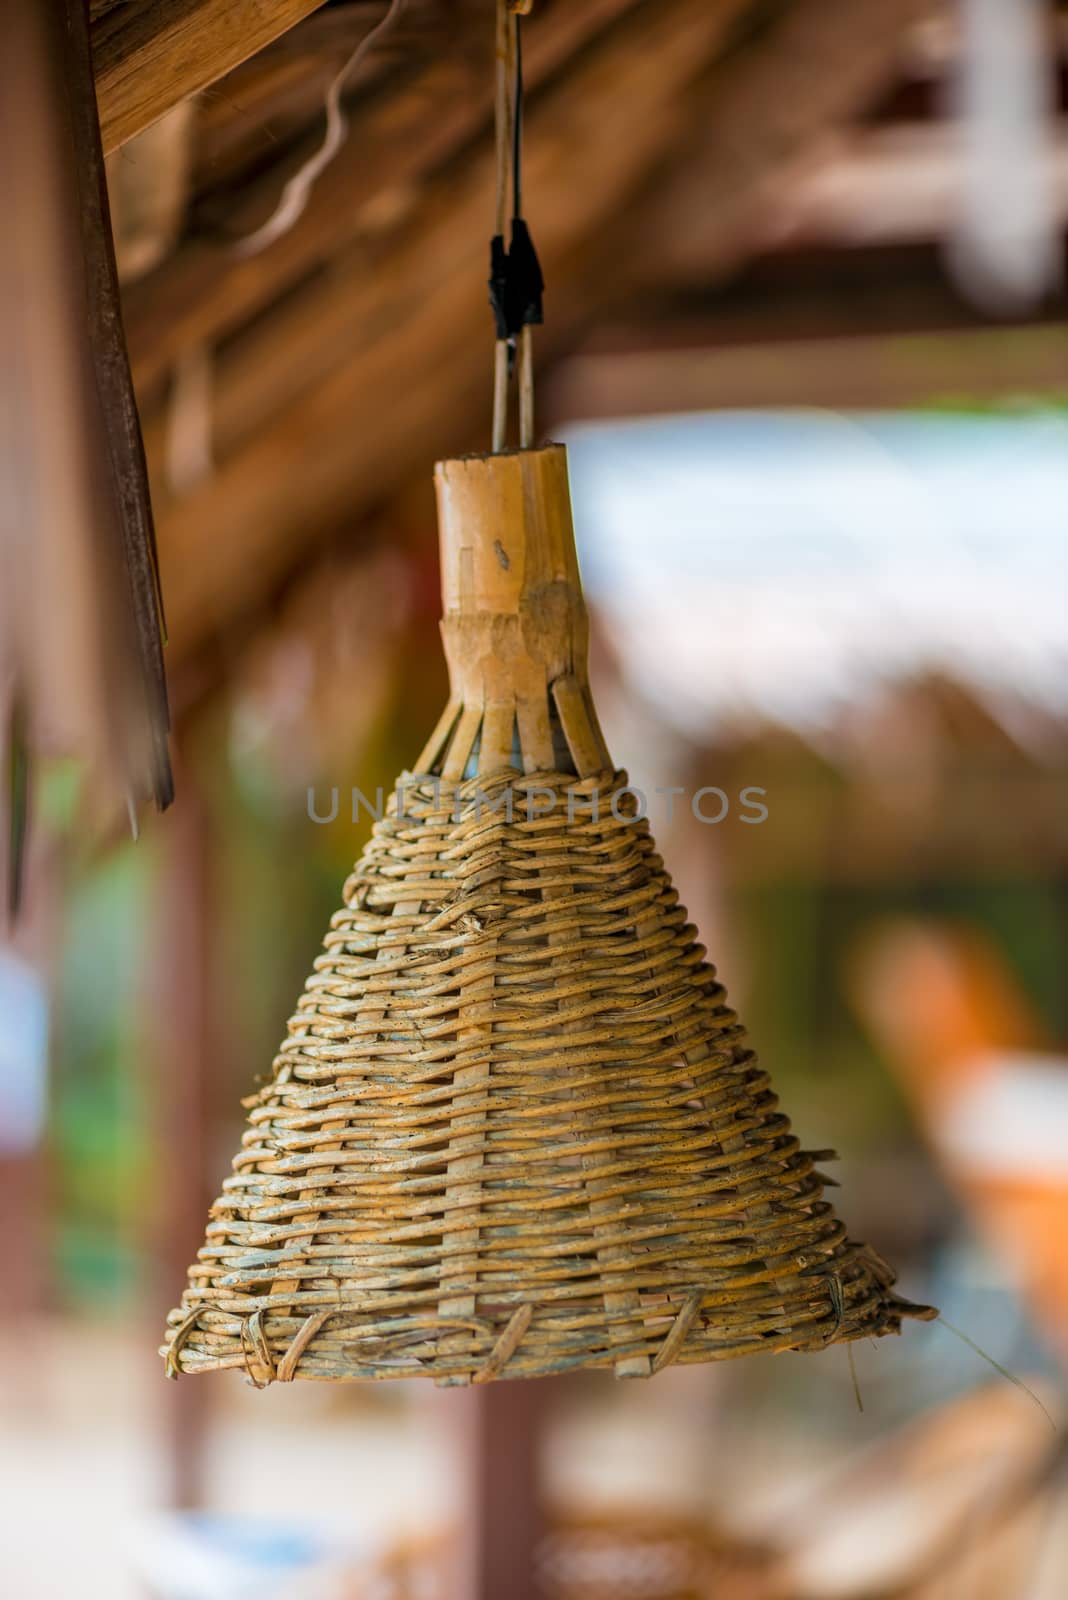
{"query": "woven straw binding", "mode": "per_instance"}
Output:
(440, 1181)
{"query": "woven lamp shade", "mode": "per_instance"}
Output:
(515, 1127)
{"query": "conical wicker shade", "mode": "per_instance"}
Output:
(515, 1127)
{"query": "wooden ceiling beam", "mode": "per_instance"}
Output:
(148, 55)
(820, 291)
(395, 356)
(870, 371)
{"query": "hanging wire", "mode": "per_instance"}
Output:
(503, 119)
(504, 116)
(517, 119)
(515, 275)
(526, 333)
(295, 194)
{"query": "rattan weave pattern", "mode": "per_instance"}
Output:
(438, 1181)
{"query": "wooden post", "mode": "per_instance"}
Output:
(497, 1433)
(182, 1046)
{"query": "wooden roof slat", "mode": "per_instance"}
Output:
(148, 55)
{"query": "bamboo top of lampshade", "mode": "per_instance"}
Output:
(505, 529)
(515, 628)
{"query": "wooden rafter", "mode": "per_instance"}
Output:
(148, 55)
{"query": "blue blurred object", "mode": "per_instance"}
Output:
(202, 1556)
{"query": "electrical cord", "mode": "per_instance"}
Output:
(516, 284)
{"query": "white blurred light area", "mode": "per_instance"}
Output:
(782, 566)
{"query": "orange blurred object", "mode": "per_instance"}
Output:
(992, 1098)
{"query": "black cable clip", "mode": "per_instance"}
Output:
(498, 285)
(515, 284)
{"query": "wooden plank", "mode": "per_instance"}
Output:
(77, 523)
(126, 486)
(148, 55)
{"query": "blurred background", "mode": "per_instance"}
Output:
(807, 341)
